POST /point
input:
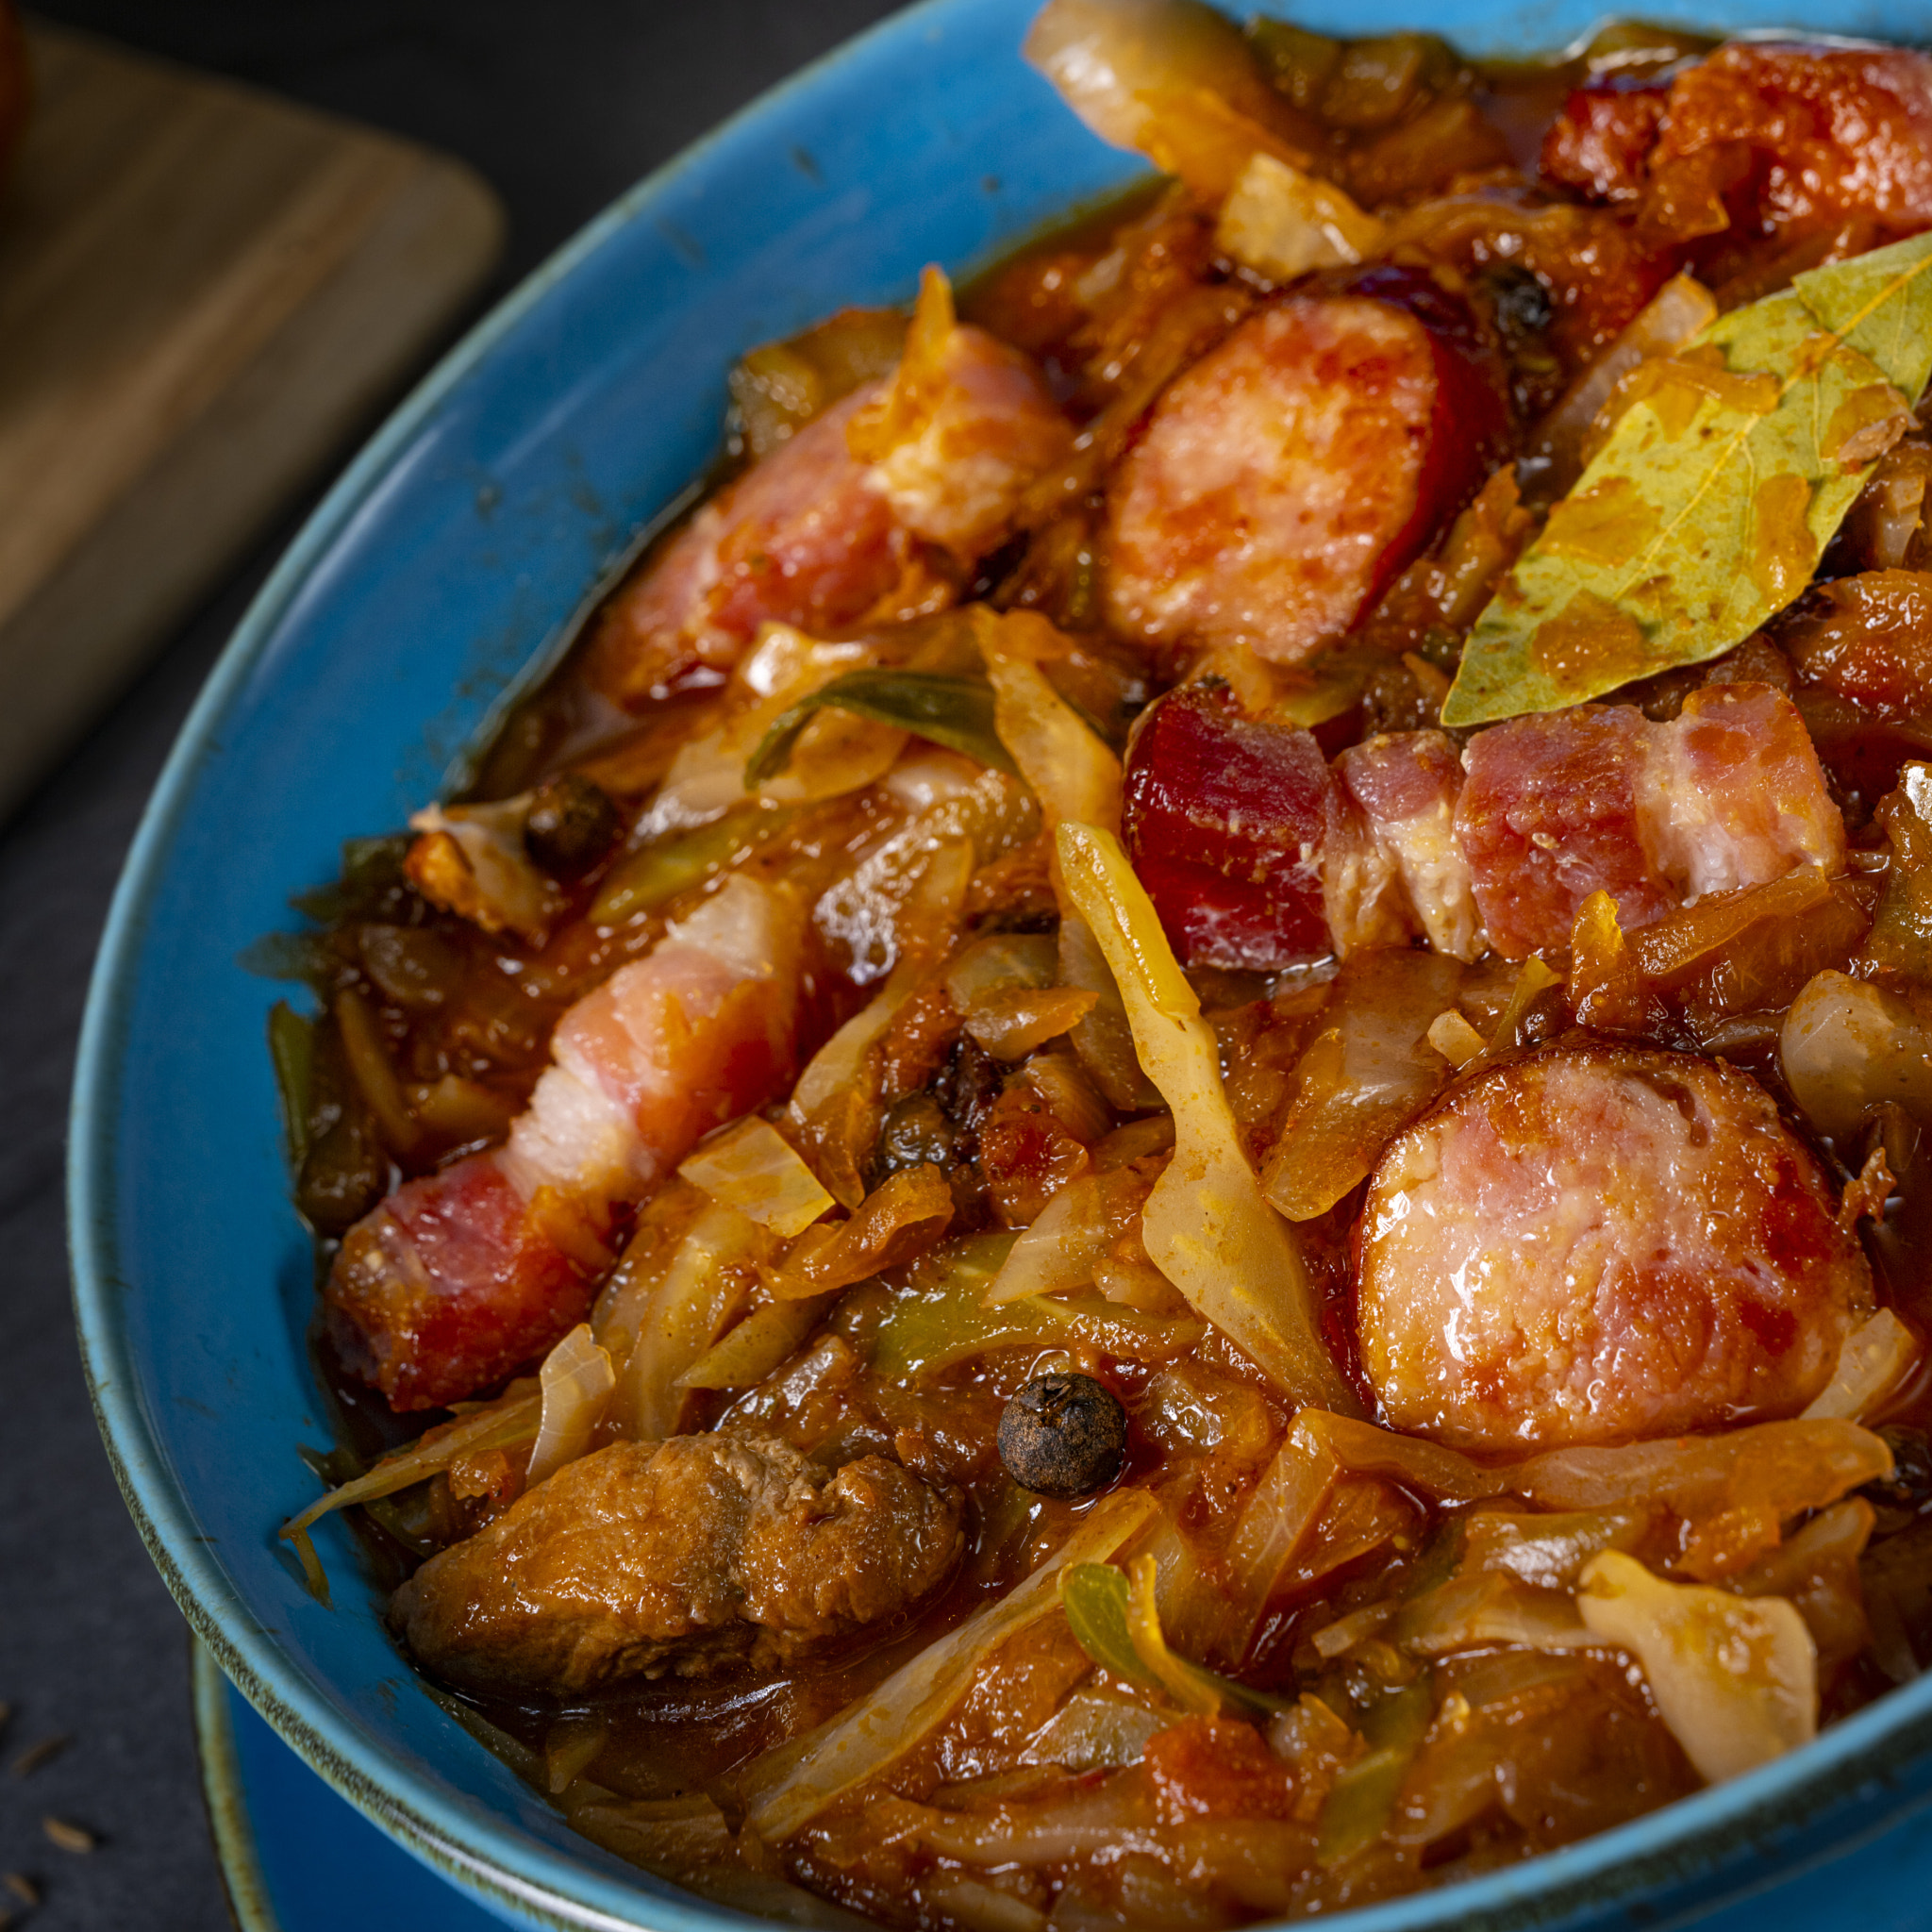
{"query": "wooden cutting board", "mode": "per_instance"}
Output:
(203, 292)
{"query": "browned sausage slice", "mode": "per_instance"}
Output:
(1284, 478)
(1600, 1243)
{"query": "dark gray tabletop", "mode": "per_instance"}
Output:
(560, 106)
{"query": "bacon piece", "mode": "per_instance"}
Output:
(459, 1277)
(1597, 1244)
(1391, 868)
(1733, 793)
(1548, 816)
(1561, 805)
(819, 537)
(1286, 477)
(1224, 823)
(1803, 136)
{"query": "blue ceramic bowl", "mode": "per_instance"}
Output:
(447, 563)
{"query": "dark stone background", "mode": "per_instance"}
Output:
(560, 106)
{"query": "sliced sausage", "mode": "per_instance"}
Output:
(1600, 1243)
(682, 1557)
(1285, 477)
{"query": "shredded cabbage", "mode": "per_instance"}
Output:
(498, 1425)
(948, 1321)
(1116, 1621)
(1077, 1228)
(757, 1344)
(667, 1304)
(1274, 1525)
(787, 1789)
(1361, 1803)
(1848, 1045)
(1735, 1678)
(576, 1381)
(1365, 1075)
(1174, 79)
(1784, 1469)
(1876, 1358)
(1668, 321)
(1094, 1728)
(1073, 774)
(1281, 222)
(752, 1168)
(1206, 1226)
(895, 1224)
(1002, 963)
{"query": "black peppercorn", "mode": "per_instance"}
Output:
(1909, 1485)
(572, 824)
(1063, 1435)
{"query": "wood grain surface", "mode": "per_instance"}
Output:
(203, 291)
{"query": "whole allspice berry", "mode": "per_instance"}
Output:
(1063, 1435)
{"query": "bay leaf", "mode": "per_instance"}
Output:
(1706, 510)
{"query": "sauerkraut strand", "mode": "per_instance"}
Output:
(1206, 1226)
(788, 1788)
(1173, 78)
(1075, 777)
(1735, 1678)
(500, 1425)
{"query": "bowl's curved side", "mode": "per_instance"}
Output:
(447, 557)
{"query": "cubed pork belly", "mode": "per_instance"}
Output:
(461, 1276)
(1803, 136)
(1599, 798)
(1391, 868)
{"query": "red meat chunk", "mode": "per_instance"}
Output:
(1225, 819)
(1600, 144)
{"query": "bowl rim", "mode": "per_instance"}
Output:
(1699, 1837)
